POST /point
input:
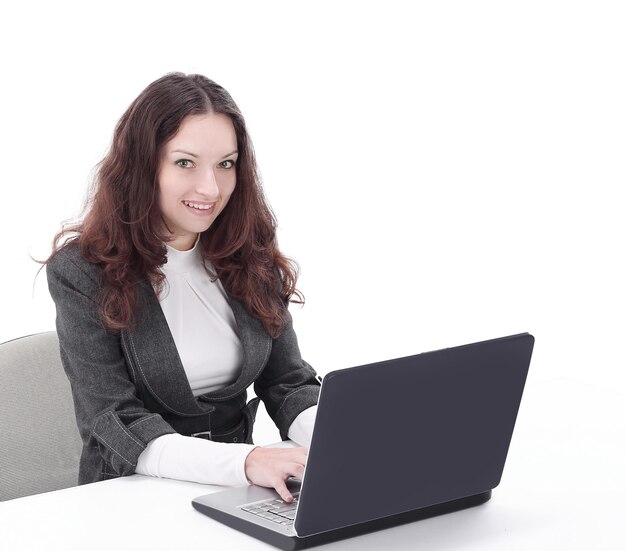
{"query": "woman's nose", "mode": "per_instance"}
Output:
(207, 185)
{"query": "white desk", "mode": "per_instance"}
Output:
(564, 487)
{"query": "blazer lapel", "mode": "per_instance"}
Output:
(257, 345)
(159, 365)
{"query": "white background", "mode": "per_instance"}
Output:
(443, 172)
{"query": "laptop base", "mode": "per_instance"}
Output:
(294, 542)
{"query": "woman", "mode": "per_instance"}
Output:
(171, 299)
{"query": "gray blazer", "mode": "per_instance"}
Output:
(131, 388)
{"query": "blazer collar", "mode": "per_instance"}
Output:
(159, 365)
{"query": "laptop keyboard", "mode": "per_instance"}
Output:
(276, 510)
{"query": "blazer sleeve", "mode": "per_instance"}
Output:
(109, 414)
(288, 385)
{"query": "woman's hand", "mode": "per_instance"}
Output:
(270, 467)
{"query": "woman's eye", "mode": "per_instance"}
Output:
(231, 165)
(184, 163)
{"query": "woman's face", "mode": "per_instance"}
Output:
(197, 176)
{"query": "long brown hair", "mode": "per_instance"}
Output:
(123, 231)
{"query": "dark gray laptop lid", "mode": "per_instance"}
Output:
(407, 433)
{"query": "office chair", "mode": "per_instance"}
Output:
(39, 442)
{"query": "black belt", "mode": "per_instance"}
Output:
(236, 434)
(240, 433)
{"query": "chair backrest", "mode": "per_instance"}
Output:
(39, 441)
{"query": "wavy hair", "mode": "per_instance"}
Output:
(123, 231)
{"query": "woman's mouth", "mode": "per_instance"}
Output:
(200, 209)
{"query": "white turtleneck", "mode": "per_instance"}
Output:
(205, 333)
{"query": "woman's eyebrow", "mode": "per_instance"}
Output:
(194, 155)
(185, 152)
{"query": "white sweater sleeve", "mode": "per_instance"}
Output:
(301, 430)
(195, 459)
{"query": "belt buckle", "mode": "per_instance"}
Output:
(202, 433)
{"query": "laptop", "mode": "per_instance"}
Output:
(393, 442)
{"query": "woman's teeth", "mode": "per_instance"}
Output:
(197, 206)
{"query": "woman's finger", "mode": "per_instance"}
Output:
(282, 490)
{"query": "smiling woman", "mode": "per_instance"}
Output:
(172, 299)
